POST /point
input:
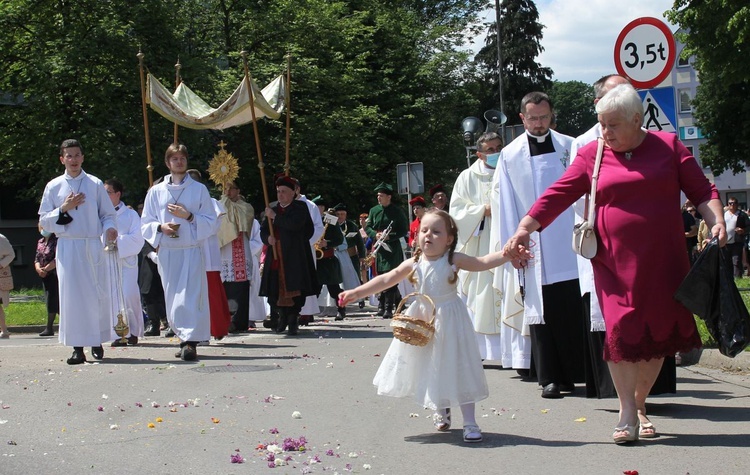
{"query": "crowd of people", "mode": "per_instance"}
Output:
(494, 259)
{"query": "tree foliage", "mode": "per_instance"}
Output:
(520, 37)
(573, 102)
(373, 84)
(717, 34)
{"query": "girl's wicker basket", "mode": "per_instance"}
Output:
(411, 330)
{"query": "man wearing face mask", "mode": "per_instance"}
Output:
(470, 207)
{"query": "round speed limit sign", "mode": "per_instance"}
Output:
(645, 52)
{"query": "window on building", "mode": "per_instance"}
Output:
(685, 100)
(682, 62)
(690, 149)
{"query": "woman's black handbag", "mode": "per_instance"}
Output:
(709, 292)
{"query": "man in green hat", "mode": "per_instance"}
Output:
(354, 251)
(389, 255)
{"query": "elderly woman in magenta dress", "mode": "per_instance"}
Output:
(636, 273)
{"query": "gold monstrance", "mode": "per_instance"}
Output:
(223, 168)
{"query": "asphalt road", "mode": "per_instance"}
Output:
(245, 390)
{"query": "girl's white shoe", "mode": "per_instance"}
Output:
(472, 433)
(442, 422)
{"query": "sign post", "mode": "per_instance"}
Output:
(410, 179)
(645, 52)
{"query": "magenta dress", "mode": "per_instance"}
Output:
(641, 258)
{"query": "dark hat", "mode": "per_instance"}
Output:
(286, 181)
(417, 201)
(437, 189)
(385, 188)
(340, 207)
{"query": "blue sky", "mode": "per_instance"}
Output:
(580, 35)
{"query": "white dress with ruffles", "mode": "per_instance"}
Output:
(448, 370)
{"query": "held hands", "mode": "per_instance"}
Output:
(73, 200)
(487, 210)
(517, 249)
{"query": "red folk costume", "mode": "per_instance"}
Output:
(641, 257)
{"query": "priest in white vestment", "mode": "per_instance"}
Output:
(552, 297)
(178, 215)
(76, 208)
(129, 245)
(470, 207)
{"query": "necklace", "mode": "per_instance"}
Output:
(176, 200)
(80, 184)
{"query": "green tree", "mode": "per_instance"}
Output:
(373, 85)
(717, 34)
(574, 110)
(520, 36)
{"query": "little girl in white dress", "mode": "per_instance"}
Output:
(448, 370)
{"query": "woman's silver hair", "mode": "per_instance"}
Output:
(623, 99)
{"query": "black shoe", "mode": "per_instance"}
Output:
(388, 313)
(97, 352)
(567, 387)
(153, 331)
(78, 357)
(281, 325)
(189, 353)
(293, 325)
(119, 342)
(342, 314)
(361, 304)
(271, 323)
(250, 325)
(47, 332)
(551, 391)
(170, 333)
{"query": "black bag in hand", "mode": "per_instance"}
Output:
(709, 292)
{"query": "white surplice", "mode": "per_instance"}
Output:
(181, 260)
(85, 309)
(129, 245)
(311, 306)
(259, 309)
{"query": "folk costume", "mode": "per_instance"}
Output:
(181, 260)
(471, 193)
(328, 266)
(294, 262)
(237, 261)
(85, 308)
(552, 302)
(353, 249)
(129, 244)
(378, 220)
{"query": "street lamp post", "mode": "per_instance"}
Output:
(499, 64)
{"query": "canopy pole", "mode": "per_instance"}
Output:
(177, 81)
(149, 166)
(284, 299)
(288, 100)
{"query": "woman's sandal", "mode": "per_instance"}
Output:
(442, 422)
(472, 433)
(627, 432)
(646, 429)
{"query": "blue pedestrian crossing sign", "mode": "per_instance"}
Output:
(659, 112)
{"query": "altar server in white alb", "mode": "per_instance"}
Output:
(129, 245)
(552, 297)
(76, 208)
(178, 215)
(470, 207)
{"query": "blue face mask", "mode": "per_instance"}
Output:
(492, 159)
(45, 233)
